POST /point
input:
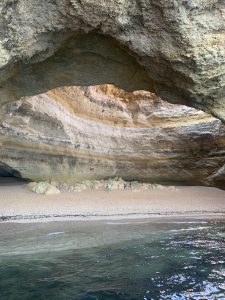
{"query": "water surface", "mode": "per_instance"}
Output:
(113, 260)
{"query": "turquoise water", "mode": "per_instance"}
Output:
(160, 259)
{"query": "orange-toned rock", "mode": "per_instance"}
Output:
(71, 134)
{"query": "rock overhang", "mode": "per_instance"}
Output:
(181, 44)
(162, 46)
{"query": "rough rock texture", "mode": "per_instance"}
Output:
(72, 134)
(58, 118)
(181, 44)
(43, 188)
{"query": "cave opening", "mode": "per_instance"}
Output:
(91, 106)
(9, 176)
(83, 61)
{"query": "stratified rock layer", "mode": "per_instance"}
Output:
(72, 134)
(181, 44)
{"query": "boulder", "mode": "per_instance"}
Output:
(44, 188)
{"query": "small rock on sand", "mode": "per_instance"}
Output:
(43, 188)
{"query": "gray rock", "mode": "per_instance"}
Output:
(181, 45)
(173, 48)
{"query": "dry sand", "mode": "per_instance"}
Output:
(17, 203)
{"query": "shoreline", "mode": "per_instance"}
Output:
(120, 217)
(19, 205)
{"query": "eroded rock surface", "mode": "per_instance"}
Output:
(61, 120)
(181, 44)
(72, 134)
(43, 188)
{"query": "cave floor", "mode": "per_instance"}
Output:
(19, 204)
(6, 182)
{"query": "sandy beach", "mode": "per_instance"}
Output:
(19, 204)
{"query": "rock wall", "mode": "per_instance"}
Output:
(72, 133)
(181, 44)
(61, 115)
(82, 60)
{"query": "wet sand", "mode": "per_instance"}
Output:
(20, 205)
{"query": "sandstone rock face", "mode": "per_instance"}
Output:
(63, 119)
(70, 134)
(181, 45)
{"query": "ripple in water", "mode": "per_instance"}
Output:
(141, 260)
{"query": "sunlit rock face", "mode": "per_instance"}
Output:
(69, 134)
(181, 44)
(61, 116)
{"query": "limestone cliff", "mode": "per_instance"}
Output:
(181, 44)
(73, 133)
(78, 86)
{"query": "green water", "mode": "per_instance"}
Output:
(159, 259)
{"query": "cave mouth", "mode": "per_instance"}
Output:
(121, 128)
(10, 176)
